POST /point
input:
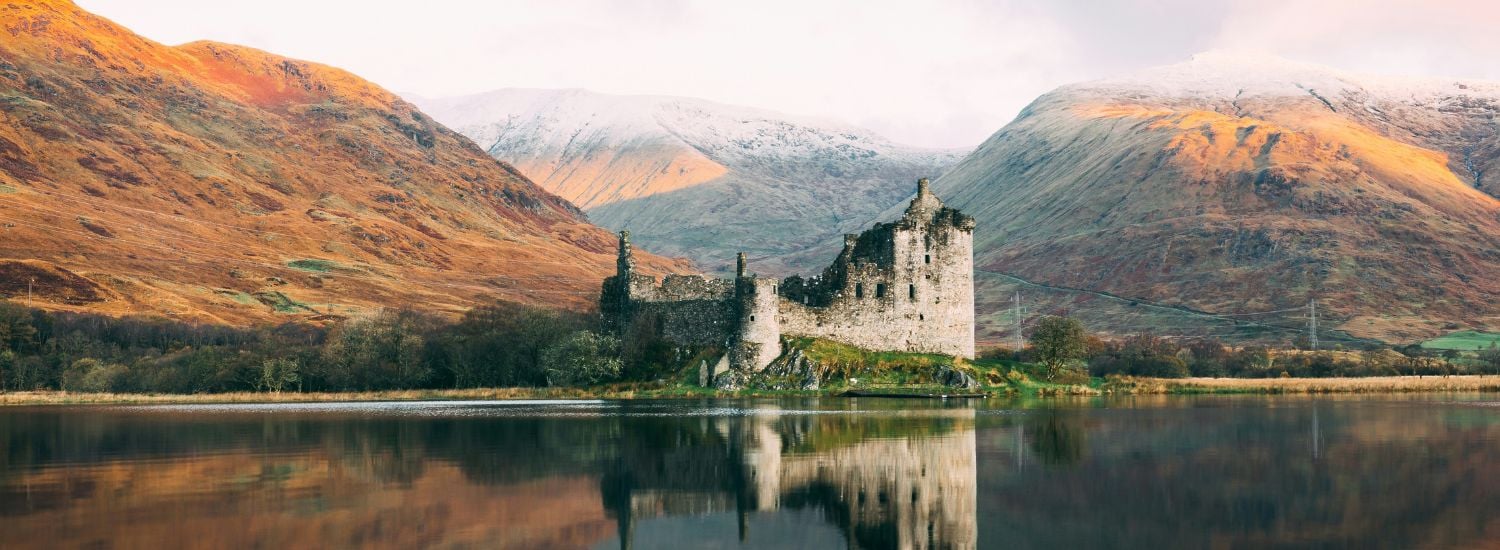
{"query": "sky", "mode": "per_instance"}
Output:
(936, 73)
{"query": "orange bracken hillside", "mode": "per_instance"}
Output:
(1241, 188)
(224, 184)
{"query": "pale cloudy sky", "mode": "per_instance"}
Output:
(923, 72)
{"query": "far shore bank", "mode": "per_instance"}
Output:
(1374, 384)
(1119, 386)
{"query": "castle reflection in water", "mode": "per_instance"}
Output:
(908, 483)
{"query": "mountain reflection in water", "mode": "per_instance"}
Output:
(1157, 472)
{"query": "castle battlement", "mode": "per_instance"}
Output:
(906, 285)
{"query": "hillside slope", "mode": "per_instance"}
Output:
(1238, 184)
(224, 184)
(694, 178)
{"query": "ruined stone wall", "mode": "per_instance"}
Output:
(684, 309)
(921, 301)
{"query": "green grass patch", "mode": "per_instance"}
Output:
(315, 265)
(1465, 340)
(7, 190)
(237, 296)
(875, 368)
(282, 303)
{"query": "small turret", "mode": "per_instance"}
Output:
(924, 205)
(739, 265)
(626, 261)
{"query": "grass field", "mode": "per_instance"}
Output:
(1467, 340)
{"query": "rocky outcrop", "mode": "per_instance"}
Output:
(794, 370)
(955, 378)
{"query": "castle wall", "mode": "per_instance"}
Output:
(684, 309)
(923, 301)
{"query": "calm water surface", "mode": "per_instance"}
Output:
(1157, 472)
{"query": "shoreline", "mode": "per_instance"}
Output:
(1277, 386)
(1112, 386)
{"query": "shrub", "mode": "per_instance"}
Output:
(383, 351)
(1207, 358)
(8, 364)
(1141, 355)
(583, 359)
(998, 353)
(501, 344)
(1489, 360)
(92, 375)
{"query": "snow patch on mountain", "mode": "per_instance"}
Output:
(1225, 74)
(521, 122)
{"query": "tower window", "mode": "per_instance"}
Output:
(752, 318)
(879, 290)
(859, 290)
(927, 259)
(921, 317)
(911, 291)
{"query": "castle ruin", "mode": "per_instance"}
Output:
(906, 285)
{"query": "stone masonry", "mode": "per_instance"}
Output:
(906, 285)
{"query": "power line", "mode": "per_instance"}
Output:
(1017, 315)
(1312, 322)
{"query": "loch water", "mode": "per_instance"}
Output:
(1138, 472)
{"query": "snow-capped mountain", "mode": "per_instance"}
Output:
(1239, 183)
(696, 178)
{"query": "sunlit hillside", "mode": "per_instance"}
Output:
(1229, 186)
(220, 183)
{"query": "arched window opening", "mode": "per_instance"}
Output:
(879, 290)
(859, 290)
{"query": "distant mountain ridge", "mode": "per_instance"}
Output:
(1237, 184)
(219, 183)
(694, 178)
